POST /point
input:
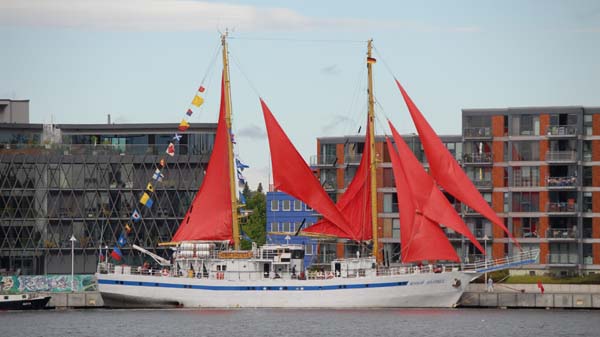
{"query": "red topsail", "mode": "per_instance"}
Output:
(422, 239)
(355, 203)
(292, 175)
(429, 200)
(209, 216)
(445, 170)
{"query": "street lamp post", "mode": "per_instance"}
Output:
(72, 239)
(485, 240)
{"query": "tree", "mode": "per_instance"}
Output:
(255, 224)
(246, 192)
(259, 189)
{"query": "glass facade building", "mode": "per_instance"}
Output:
(86, 180)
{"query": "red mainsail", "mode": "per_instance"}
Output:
(355, 203)
(292, 175)
(421, 238)
(429, 200)
(210, 215)
(446, 171)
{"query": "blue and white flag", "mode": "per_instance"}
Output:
(122, 240)
(242, 198)
(157, 176)
(136, 216)
(240, 165)
(177, 137)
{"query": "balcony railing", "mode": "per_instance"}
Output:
(477, 132)
(561, 130)
(561, 156)
(477, 158)
(560, 207)
(482, 183)
(323, 160)
(525, 182)
(558, 233)
(562, 258)
(352, 158)
(561, 181)
(525, 233)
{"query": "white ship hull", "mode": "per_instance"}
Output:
(408, 290)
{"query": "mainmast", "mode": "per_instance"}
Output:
(372, 159)
(232, 175)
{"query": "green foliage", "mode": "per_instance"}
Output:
(246, 192)
(254, 226)
(259, 189)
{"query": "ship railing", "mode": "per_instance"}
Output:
(417, 270)
(523, 258)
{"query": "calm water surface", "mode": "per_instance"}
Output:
(306, 323)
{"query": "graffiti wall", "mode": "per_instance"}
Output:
(50, 283)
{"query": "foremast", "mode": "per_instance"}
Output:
(232, 173)
(373, 158)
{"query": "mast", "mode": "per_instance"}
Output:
(232, 175)
(372, 159)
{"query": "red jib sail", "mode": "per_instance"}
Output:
(429, 200)
(210, 217)
(421, 238)
(292, 175)
(355, 203)
(446, 171)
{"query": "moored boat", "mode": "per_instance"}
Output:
(208, 269)
(25, 301)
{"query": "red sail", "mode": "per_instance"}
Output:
(292, 175)
(430, 201)
(446, 171)
(421, 238)
(355, 203)
(210, 217)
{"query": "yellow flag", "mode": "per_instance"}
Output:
(150, 188)
(144, 198)
(184, 125)
(198, 101)
(127, 228)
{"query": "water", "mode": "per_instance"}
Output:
(305, 323)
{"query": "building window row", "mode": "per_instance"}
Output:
(286, 205)
(286, 226)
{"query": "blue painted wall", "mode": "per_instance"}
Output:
(285, 214)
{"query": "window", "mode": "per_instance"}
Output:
(588, 254)
(297, 205)
(525, 201)
(587, 176)
(274, 205)
(285, 205)
(328, 155)
(587, 228)
(308, 249)
(285, 226)
(308, 207)
(587, 150)
(525, 151)
(587, 202)
(395, 228)
(526, 176)
(296, 226)
(390, 203)
(525, 125)
(587, 125)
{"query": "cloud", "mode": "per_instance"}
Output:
(180, 15)
(251, 132)
(330, 70)
(337, 121)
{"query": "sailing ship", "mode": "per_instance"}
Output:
(208, 269)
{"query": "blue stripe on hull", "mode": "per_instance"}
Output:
(253, 288)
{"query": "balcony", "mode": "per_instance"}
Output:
(323, 160)
(519, 181)
(477, 133)
(557, 183)
(525, 233)
(482, 184)
(561, 233)
(561, 156)
(477, 158)
(561, 207)
(352, 158)
(561, 131)
(563, 259)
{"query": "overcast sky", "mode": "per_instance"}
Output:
(142, 61)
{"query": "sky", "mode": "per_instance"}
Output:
(141, 61)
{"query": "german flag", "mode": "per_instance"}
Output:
(371, 60)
